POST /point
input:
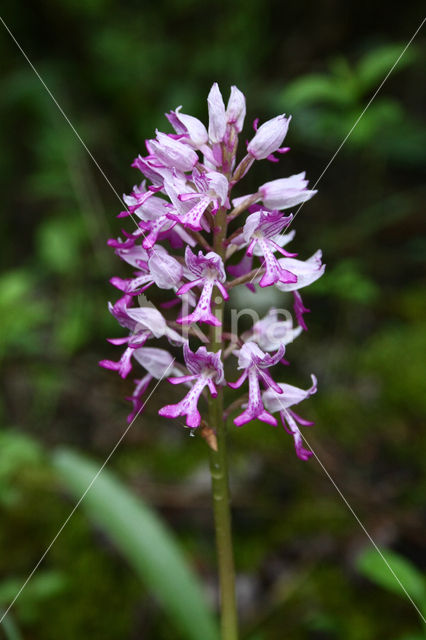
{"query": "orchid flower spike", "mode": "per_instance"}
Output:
(182, 249)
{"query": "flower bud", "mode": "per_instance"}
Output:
(186, 124)
(269, 137)
(173, 153)
(236, 109)
(217, 117)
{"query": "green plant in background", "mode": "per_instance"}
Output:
(138, 533)
(23, 464)
(347, 282)
(328, 105)
(45, 586)
(144, 540)
(20, 331)
(20, 457)
(371, 565)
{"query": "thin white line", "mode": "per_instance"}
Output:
(339, 491)
(143, 234)
(365, 530)
(65, 116)
(95, 477)
(354, 126)
(76, 133)
(362, 113)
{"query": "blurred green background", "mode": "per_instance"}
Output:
(304, 565)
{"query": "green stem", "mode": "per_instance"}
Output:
(219, 475)
(222, 517)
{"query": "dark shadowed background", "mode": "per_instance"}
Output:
(115, 68)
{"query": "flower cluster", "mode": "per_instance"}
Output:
(189, 241)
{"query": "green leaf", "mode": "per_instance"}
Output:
(371, 565)
(347, 282)
(374, 66)
(42, 587)
(313, 89)
(73, 325)
(17, 451)
(21, 311)
(59, 241)
(144, 541)
(10, 629)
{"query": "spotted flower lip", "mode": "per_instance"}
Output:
(212, 189)
(209, 272)
(261, 228)
(255, 362)
(269, 222)
(282, 402)
(205, 369)
(183, 210)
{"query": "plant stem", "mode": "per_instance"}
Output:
(219, 475)
(222, 517)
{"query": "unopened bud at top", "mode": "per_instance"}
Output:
(236, 109)
(217, 118)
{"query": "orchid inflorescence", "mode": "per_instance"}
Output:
(187, 207)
